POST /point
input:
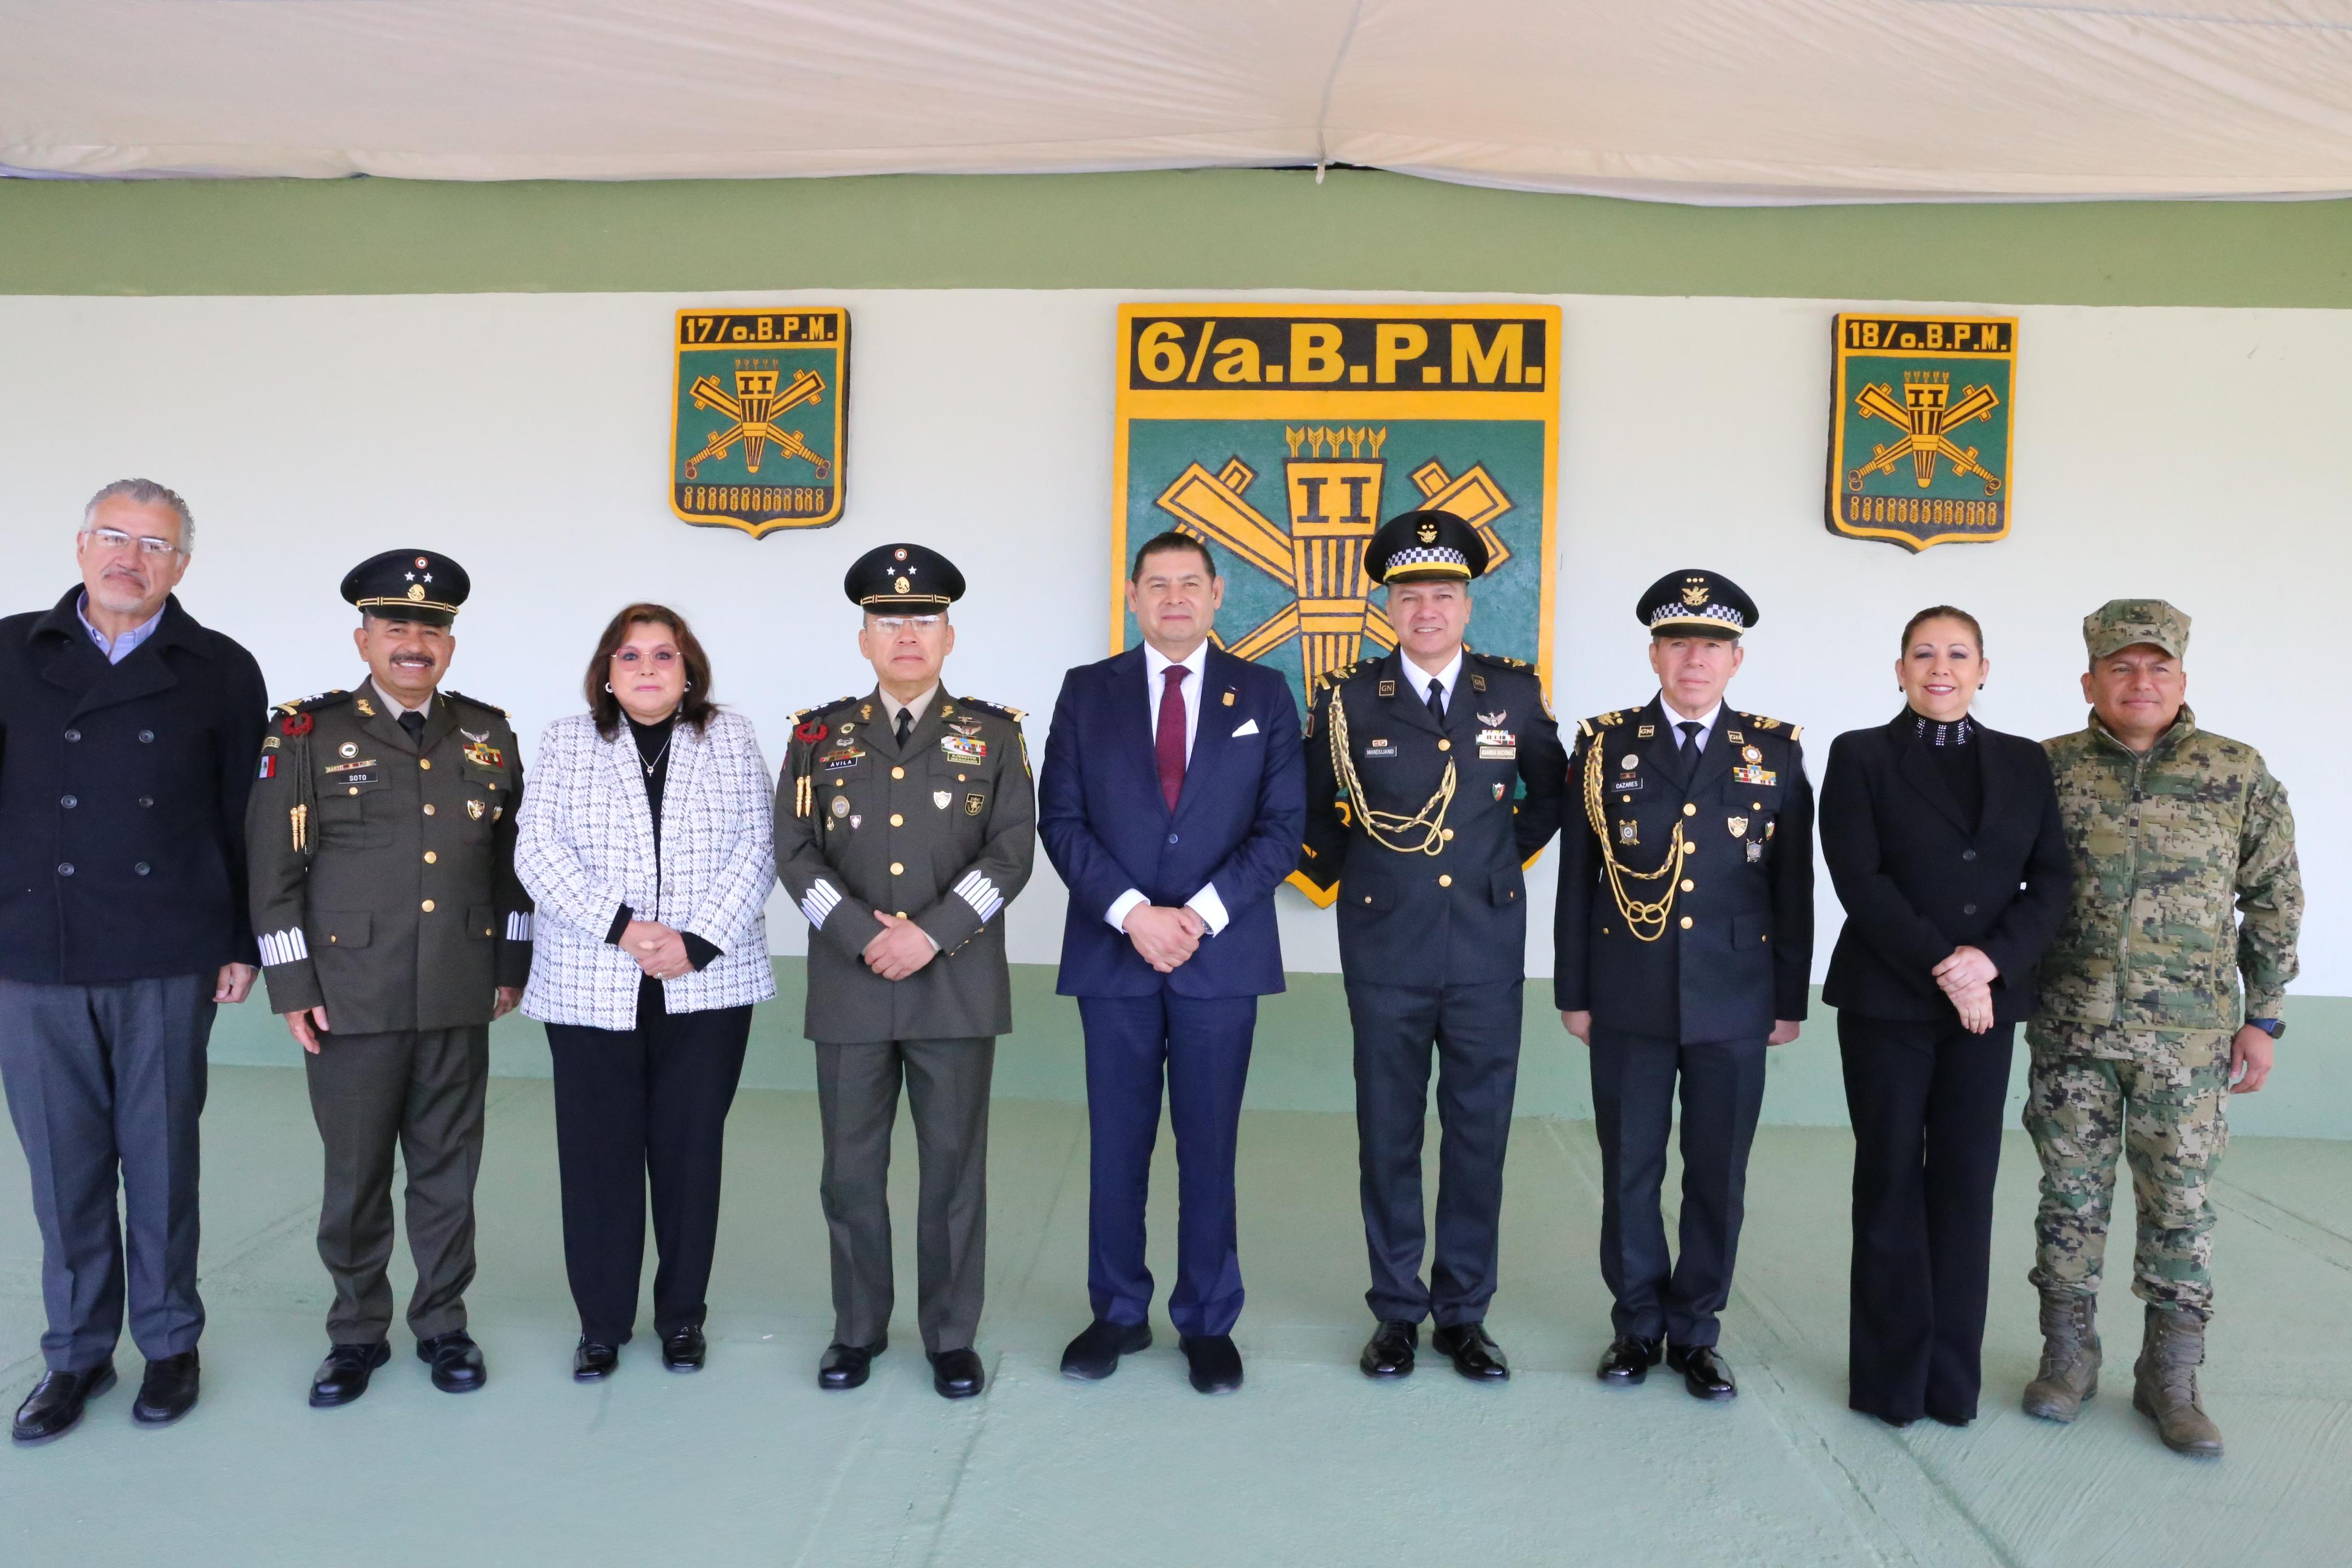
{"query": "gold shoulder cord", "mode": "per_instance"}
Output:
(1638, 913)
(1377, 825)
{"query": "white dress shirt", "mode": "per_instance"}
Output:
(1705, 725)
(1156, 664)
(1445, 679)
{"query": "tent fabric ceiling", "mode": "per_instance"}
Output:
(1732, 101)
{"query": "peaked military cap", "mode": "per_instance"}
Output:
(903, 577)
(2121, 623)
(1695, 603)
(408, 585)
(1425, 546)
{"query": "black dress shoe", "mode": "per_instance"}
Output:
(847, 1365)
(592, 1360)
(1946, 1418)
(1389, 1352)
(1473, 1350)
(55, 1404)
(1216, 1363)
(168, 1391)
(343, 1375)
(456, 1360)
(684, 1351)
(1094, 1354)
(956, 1374)
(1704, 1371)
(1628, 1360)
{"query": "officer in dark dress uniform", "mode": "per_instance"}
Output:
(1684, 933)
(1432, 776)
(380, 838)
(905, 821)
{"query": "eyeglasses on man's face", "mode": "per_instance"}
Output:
(116, 539)
(891, 625)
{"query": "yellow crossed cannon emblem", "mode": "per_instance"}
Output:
(754, 409)
(1926, 413)
(1334, 506)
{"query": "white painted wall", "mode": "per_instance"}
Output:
(2193, 454)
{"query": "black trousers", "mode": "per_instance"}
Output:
(1926, 1099)
(649, 1102)
(1634, 1079)
(1473, 1031)
(421, 1091)
(106, 1083)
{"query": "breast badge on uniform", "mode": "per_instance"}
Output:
(940, 797)
(758, 418)
(1749, 773)
(1920, 416)
(482, 753)
(474, 809)
(963, 750)
(1496, 744)
(1264, 430)
(1739, 826)
(972, 804)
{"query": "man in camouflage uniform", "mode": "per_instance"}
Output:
(2185, 879)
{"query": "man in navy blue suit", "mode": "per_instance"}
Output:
(1172, 801)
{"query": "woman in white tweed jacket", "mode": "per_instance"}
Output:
(648, 840)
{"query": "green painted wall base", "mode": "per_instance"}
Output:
(1302, 1057)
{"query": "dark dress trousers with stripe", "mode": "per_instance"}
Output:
(1921, 873)
(1109, 828)
(1683, 1010)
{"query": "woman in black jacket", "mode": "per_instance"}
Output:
(1944, 841)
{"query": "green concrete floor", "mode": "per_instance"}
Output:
(748, 1463)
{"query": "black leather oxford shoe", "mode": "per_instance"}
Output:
(684, 1351)
(848, 1365)
(1628, 1360)
(1214, 1361)
(1704, 1371)
(592, 1360)
(455, 1360)
(53, 1406)
(1389, 1352)
(1094, 1354)
(168, 1391)
(343, 1375)
(1473, 1350)
(957, 1374)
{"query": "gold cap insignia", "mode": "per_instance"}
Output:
(1426, 533)
(899, 587)
(1693, 594)
(416, 591)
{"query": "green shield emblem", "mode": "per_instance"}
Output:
(759, 418)
(1919, 428)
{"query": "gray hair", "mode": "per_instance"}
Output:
(147, 493)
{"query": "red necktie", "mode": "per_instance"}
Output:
(1170, 743)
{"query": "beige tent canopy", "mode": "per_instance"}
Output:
(1687, 100)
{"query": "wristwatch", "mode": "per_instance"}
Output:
(2270, 1026)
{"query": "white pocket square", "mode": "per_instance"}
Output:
(1249, 726)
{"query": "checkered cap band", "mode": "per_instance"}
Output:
(1426, 556)
(1674, 612)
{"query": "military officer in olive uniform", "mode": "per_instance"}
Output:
(1434, 776)
(905, 820)
(1683, 944)
(381, 836)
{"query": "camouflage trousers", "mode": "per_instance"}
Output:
(2156, 1097)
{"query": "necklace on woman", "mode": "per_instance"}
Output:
(649, 767)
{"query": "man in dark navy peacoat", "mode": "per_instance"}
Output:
(128, 740)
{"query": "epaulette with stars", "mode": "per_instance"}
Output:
(1772, 725)
(808, 722)
(999, 709)
(1499, 661)
(1345, 672)
(477, 702)
(1600, 721)
(294, 719)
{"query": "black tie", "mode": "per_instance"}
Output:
(414, 723)
(1690, 728)
(906, 725)
(1437, 699)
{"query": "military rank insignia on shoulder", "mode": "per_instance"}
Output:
(296, 718)
(1761, 722)
(999, 709)
(475, 701)
(1600, 721)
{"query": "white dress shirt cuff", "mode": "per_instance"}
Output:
(1210, 908)
(1121, 907)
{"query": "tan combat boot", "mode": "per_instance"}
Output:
(2070, 1357)
(2164, 1384)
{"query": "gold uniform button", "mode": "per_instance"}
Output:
(902, 915)
(425, 763)
(1689, 809)
(1756, 805)
(896, 820)
(1625, 799)
(1444, 745)
(430, 857)
(428, 906)
(1686, 922)
(1446, 832)
(428, 810)
(355, 788)
(1688, 885)
(897, 773)
(1445, 882)
(896, 869)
